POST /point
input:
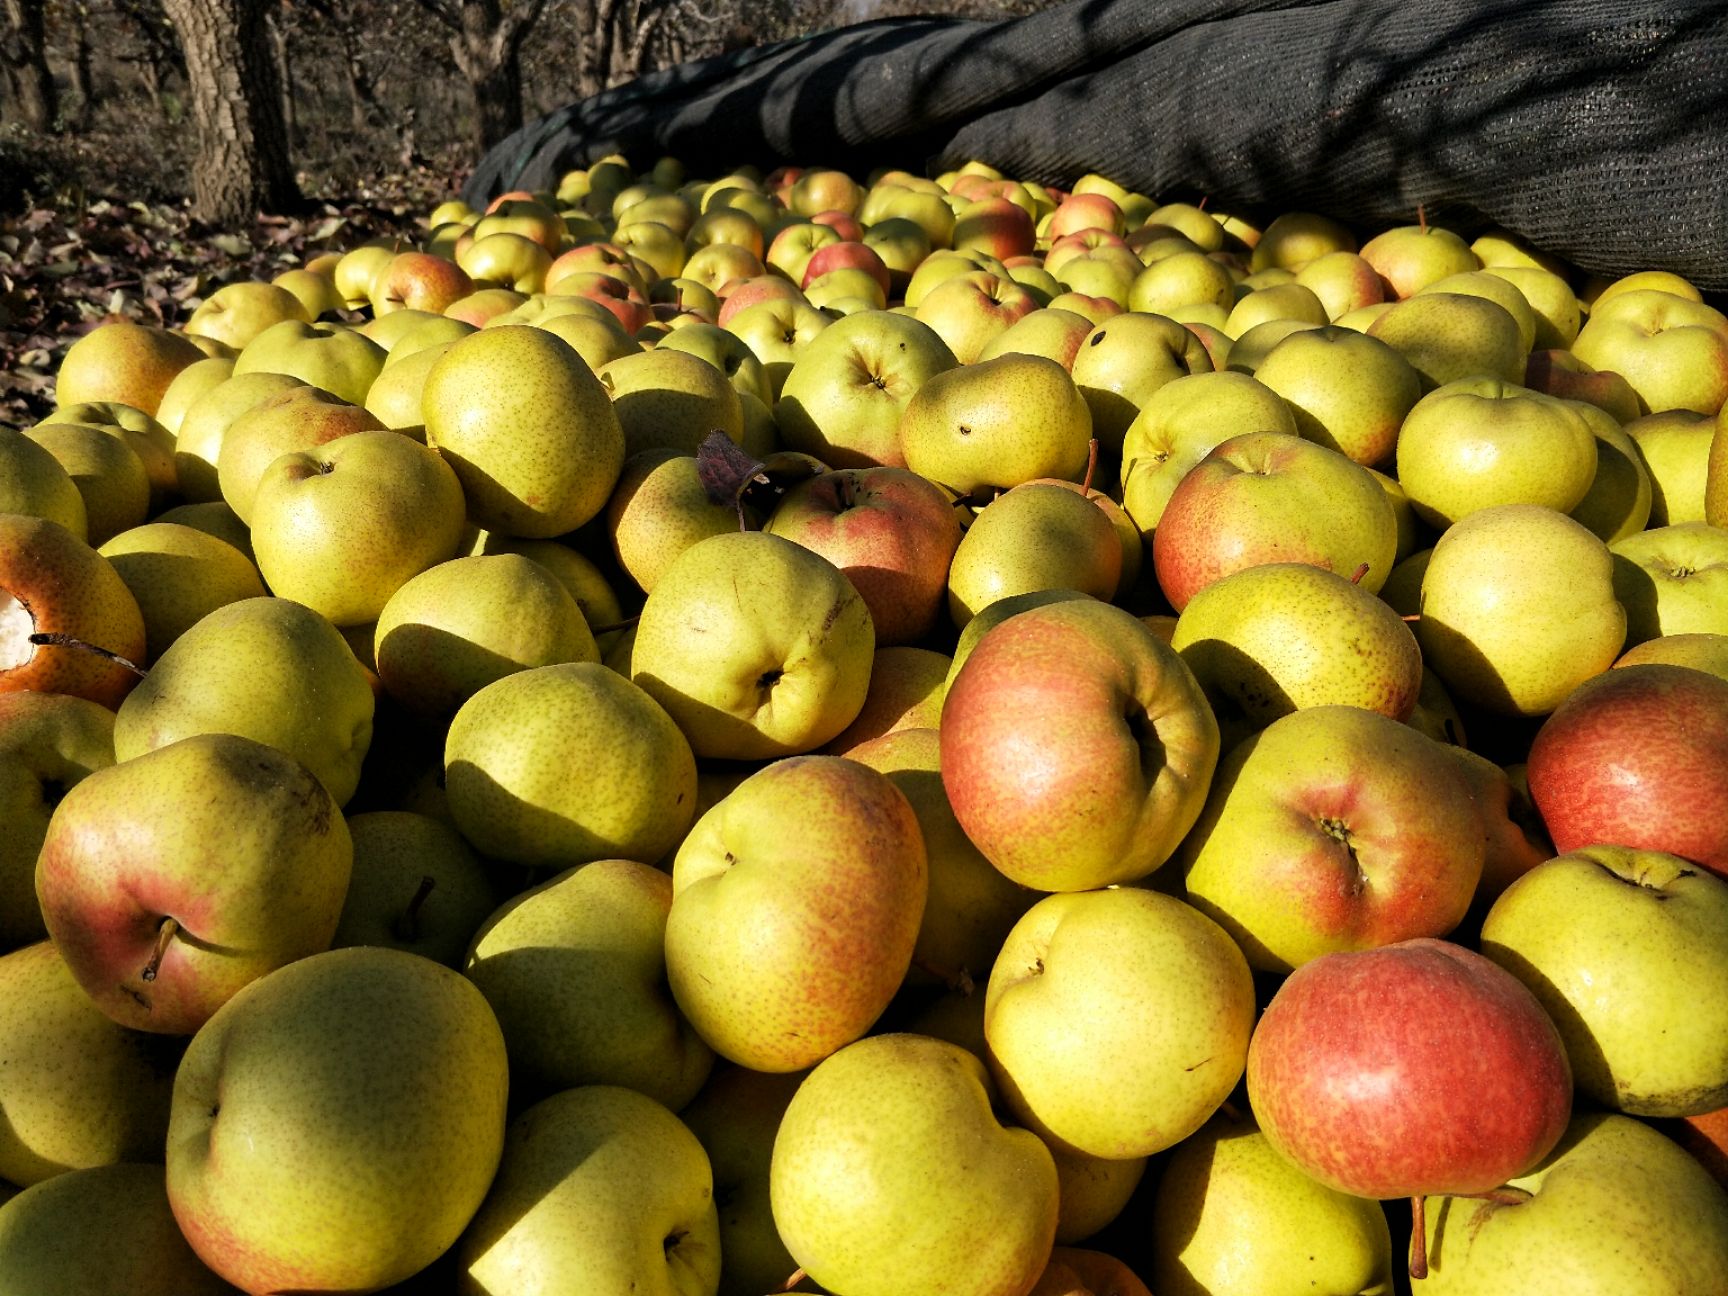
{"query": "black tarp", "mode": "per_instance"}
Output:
(1597, 129)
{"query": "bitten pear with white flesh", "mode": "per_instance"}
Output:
(1117, 1020)
(1077, 747)
(171, 880)
(601, 1189)
(756, 646)
(1518, 609)
(337, 1125)
(796, 905)
(899, 1119)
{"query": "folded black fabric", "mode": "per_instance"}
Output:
(1598, 129)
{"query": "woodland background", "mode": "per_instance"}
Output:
(384, 106)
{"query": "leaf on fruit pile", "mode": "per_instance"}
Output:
(726, 471)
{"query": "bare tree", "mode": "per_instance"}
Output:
(243, 156)
(24, 61)
(486, 39)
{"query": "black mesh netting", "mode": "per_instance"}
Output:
(1595, 128)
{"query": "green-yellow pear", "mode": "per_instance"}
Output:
(78, 1089)
(1502, 292)
(992, 425)
(100, 1231)
(238, 312)
(1621, 494)
(528, 428)
(1477, 442)
(35, 483)
(1447, 336)
(264, 668)
(48, 742)
(667, 398)
(1266, 640)
(188, 385)
(970, 904)
(1518, 608)
(601, 1189)
(214, 518)
(123, 361)
(397, 399)
(147, 438)
(736, 1117)
(1553, 305)
(726, 352)
(459, 626)
(179, 576)
(337, 1125)
(416, 886)
(796, 906)
(1674, 446)
(1035, 536)
(1410, 257)
(298, 419)
(660, 508)
(107, 472)
(757, 646)
(1122, 362)
(1346, 390)
(1118, 1020)
(343, 527)
(899, 1119)
(906, 688)
(577, 573)
(1617, 1209)
(575, 970)
(1234, 1217)
(334, 357)
(1092, 1191)
(198, 445)
(510, 750)
(170, 881)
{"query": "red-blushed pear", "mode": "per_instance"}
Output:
(1343, 282)
(1101, 1006)
(1055, 333)
(970, 905)
(269, 669)
(1414, 1069)
(575, 970)
(79, 1090)
(68, 624)
(904, 1118)
(528, 428)
(757, 646)
(1272, 497)
(792, 246)
(1673, 580)
(1126, 359)
(509, 748)
(1477, 442)
(336, 1126)
(1673, 351)
(969, 310)
(1518, 609)
(170, 881)
(1706, 1138)
(1334, 828)
(1233, 1215)
(994, 225)
(601, 1184)
(341, 360)
(847, 386)
(416, 886)
(1267, 640)
(105, 1229)
(845, 255)
(1615, 1210)
(1513, 839)
(1410, 257)
(343, 527)
(1036, 536)
(1347, 391)
(1597, 935)
(990, 426)
(796, 905)
(1560, 373)
(891, 532)
(1073, 1271)
(1638, 757)
(418, 281)
(1447, 336)
(484, 304)
(1077, 748)
(123, 361)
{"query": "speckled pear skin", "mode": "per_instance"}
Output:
(78, 1090)
(528, 428)
(336, 1126)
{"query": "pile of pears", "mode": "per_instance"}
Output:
(386, 650)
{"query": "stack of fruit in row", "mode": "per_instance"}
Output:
(769, 733)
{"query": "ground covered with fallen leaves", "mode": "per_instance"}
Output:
(72, 256)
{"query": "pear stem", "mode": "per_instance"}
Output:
(1357, 575)
(1411, 616)
(1091, 466)
(48, 640)
(1418, 1239)
(1422, 217)
(848, 491)
(798, 1276)
(164, 934)
(407, 926)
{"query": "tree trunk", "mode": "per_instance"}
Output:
(486, 42)
(24, 52)
(242, 165)
(282, 54)
(83, 83)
